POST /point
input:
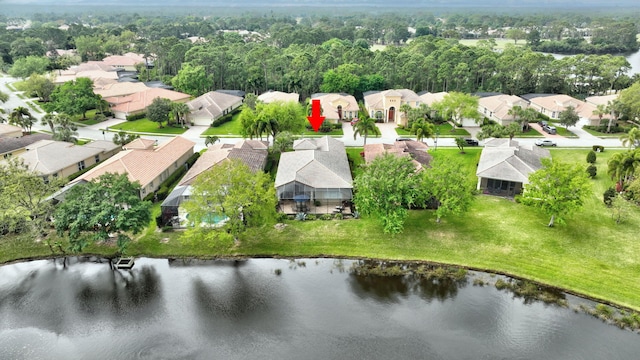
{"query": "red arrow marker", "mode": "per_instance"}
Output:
(315, 119)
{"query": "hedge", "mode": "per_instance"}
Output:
(226, 118)
(136, 116)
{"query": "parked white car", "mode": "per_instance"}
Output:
(545, 142)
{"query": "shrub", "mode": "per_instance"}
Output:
(592, 170)
(281, 217)
(310, 217)
(338, 216)
(591, 157)
(317, 202)
(325, 127)
(598, 148)
(159, 222)
(222, 120)
(301, 216)
(326, 217)
(608, 196)
(134, 117)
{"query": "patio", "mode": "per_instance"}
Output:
(291, 207)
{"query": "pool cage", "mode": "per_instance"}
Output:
(296, 197)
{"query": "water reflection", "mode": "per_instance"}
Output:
(319, 308)
(393, 281)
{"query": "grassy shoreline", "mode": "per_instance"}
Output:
(588, 256)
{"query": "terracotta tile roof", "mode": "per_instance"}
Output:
(499, 105)
(142, 99)
(142, 165)
(431, 98)
(8, 129)
(375, 99)
(416, 150)
(330, 103)
(560, 102)
(140, 144)
(601, 100)
(272, 96)
(114, 89)
(128, 59)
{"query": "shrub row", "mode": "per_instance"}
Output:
(136, 116)
(326, 127)
(616, 128)
(598, 148)
(226, 118)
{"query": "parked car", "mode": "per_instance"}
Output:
(545, 142)
(550, 129)
(543, 123)
(354, 121)
(403, 139)
(471, 142)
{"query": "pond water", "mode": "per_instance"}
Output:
(632, 58)
(280, 309)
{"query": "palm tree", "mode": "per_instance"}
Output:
(22, 117)
(49, 119)
(65, 129)
(613, 108)
(364, 127)
(460, 143)
(517, 112)
(180, 112)
(405, 108)
(632, 138)
(422, 129)
(210, 140)
(622, 166)
(600, 111)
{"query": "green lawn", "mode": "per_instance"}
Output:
(589, 255)
(147, 126)
(445, 129)
(233, 127)
(601, 134)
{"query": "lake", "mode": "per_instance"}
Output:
(633, 59)
(281, 309)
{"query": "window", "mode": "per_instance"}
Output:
(81, 165)
(97, 158)
(175, 165)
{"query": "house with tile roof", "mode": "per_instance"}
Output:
(505, 165)
(603, 100)
(15, 146)
(315, 177)
(210, 106)
(497, 107)
(552, 105)
(251, 152)
(385, 105)
(412, 149)
(136, 103)
(108, 89)
(150, 166)
(126, 62)
(431, 98)
(337, 106)
(273, 96)
(62, 159)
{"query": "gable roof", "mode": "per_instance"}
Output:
(252, 152)
(601, 100)
(142, 99)
(506, 159)
(49, 157)
(140, 144)
(375, 99)
(142, 165)
(272, 96)
(326, 166)
(212, 104)
(500, 105)
(560, 102)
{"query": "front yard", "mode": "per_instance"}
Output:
(445, 130)
(147, 126)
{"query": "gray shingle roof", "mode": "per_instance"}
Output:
(505, 159)
(11, 144)
(326, 166)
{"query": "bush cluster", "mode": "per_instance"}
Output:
(134, 117)
(591, 157)
(592, 170)
(598, 148)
